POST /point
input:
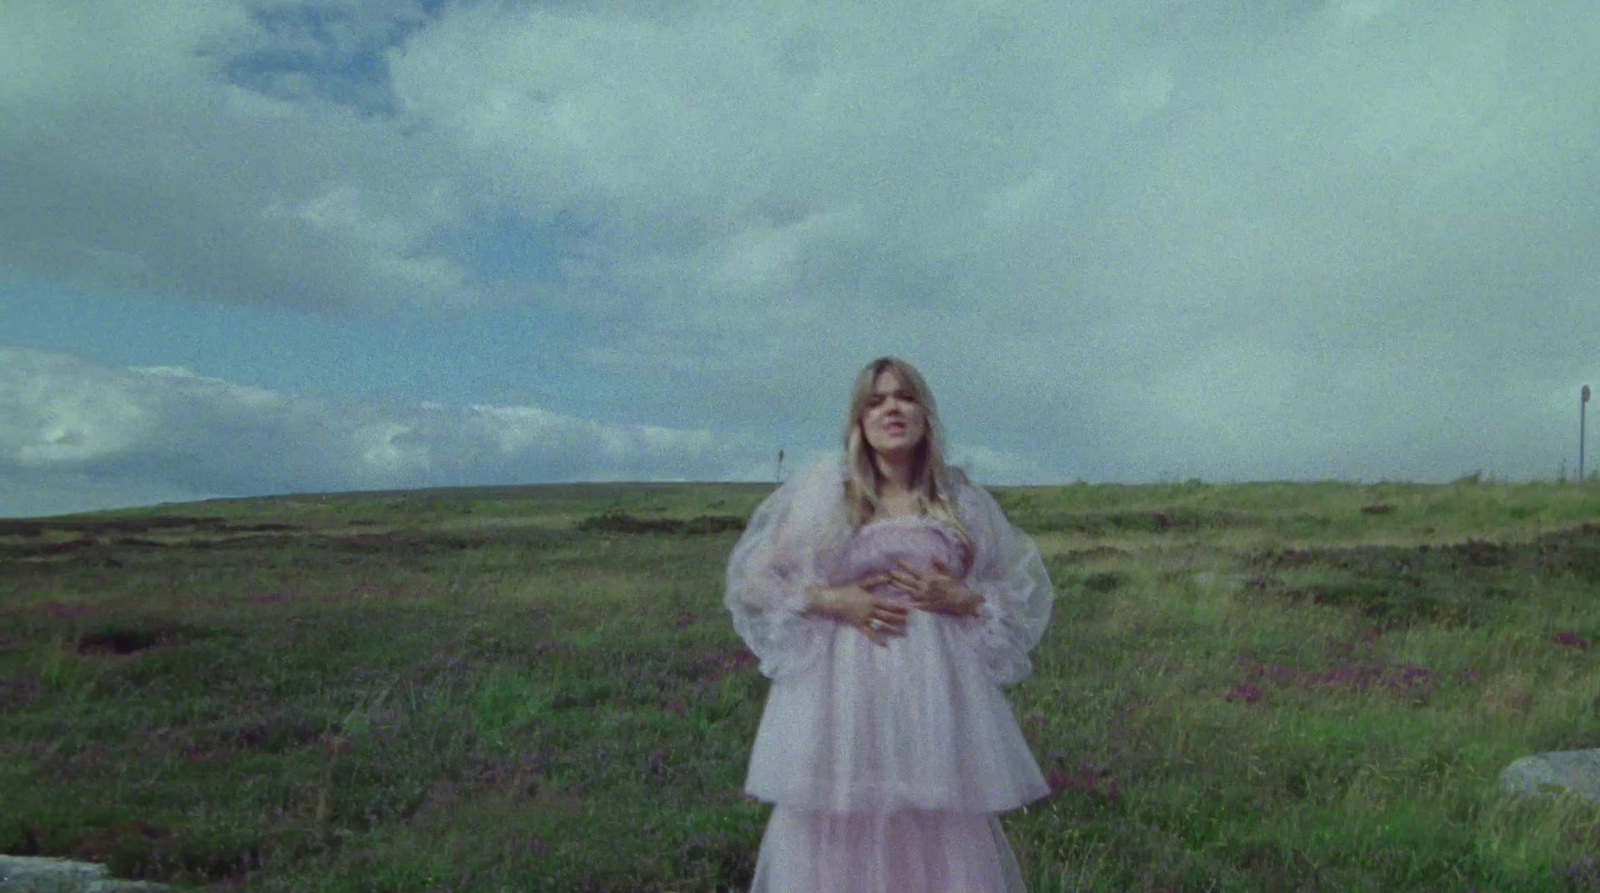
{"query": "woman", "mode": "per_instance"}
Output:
(888, 598)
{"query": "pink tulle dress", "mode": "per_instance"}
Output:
(887, 764)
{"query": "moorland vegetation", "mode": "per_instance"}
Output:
(1307, 686)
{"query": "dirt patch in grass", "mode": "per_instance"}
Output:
(1163, 520)
(1398, 599)
(226, 540)
(277, 730)
(48, 549)
(1405, 681)
(701, 525)
(1464, 583)
(102, 539)
(109, 527)
(122, 639)
(1575, 551)
(1092, 553)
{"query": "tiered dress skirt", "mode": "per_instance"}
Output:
(887, 764)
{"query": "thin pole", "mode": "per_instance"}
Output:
(1583, 405)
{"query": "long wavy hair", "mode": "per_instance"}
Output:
(931, 479)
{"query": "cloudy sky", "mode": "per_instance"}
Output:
(268, 246)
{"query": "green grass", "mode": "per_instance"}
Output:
(1245, 687)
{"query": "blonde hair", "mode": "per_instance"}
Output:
(931, 479)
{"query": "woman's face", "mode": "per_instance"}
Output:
(894, 423)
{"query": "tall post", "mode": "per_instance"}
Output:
(1583, 405)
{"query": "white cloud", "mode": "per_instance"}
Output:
(79, 435)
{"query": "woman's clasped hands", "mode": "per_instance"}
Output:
(876, 615)
(935, 591)
(882, 616)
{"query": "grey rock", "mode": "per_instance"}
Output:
(37, 874)
(1575, 772)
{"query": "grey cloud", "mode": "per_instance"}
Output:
(1127, 240)
(143, 168)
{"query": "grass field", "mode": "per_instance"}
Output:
(1245, 687)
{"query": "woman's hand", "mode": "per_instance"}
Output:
(936, 591)
(877, 617)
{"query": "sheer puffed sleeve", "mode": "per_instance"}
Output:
(1008, 572)
(787, 546)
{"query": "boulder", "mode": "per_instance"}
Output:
(1574, 772)
(37, 874)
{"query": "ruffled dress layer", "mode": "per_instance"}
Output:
(914, 724)
(887, 764)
